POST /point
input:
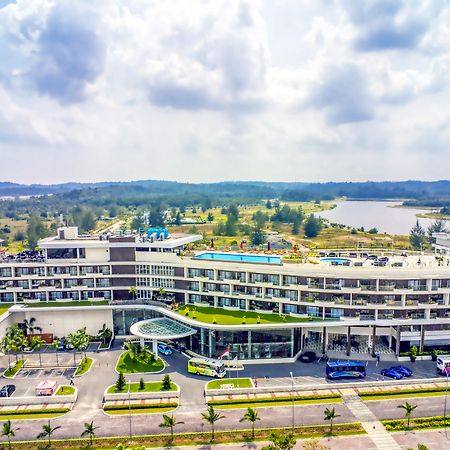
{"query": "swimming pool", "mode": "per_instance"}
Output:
(258, 259)
(337, 261)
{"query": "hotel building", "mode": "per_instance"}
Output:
(350, 304)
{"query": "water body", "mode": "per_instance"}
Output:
(379, 215)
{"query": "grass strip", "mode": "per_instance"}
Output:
(65, 390)
(155, 386)
(121, 412)
(11, 371)
(278, 400)
(84, 366)
(417, 423)
(198, 438)
(275, 404)
(139, 406)
(48, 413)
(236, 383)
(402, 393)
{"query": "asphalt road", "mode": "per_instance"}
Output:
(92, 386)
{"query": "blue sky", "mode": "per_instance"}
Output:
(197, 90)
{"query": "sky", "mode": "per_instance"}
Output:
(200, 91)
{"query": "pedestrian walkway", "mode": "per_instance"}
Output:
(375, 429)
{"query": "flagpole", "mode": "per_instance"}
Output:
(229, 367)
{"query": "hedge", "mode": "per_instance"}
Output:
(24, 412)
(273, 400)
(401, 391)
(138, 406)
(417, 423)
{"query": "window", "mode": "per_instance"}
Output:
(62, 253)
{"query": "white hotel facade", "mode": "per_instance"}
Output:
(356, 309)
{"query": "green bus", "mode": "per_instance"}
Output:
(207, 366)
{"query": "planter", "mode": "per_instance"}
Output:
(412, 358)
(434, 357)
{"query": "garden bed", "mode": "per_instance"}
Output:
(126, 364)
(138, 408)
(47, 413)
(402, 393)
(230, 383)
(84, 367)
(156, 386)
(11, 372)
(418, 423)
(65, 390)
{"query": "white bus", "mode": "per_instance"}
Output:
(443, 364)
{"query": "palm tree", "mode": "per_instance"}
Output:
(9, 432)
(104, 333)
(89, 430)
(55, 345)
(131, 348)
(132, 291)
(28, 326)
(330, 414)
(169, 422)
(36, 343)
(251, 416)
(212, 417)
(408, 410)
(47, 432)
(6, 348)
(72, 339)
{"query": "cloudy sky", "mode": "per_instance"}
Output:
(198, 90)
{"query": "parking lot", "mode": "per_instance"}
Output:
(46, 373)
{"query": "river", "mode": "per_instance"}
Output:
(380, 215)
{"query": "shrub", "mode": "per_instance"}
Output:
(166, 383)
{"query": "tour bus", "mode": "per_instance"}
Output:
(442, 363)
(207, 366)
(337, 370)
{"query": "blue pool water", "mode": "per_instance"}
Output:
(241, 258)
(338, 261)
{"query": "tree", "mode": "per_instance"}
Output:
(211, 416)
(257, 237)
(36, 343)
(260, 219)
(417, 236)
(438, 226)
(141, 384)
(120, 383)
(133, 292)
(210, 217)
(312, 226)
(89, 430)
(35, 230)
(166, 383)
(251, 416)
(28, 326)
(55, 346)
(177, 220)
(330, 414)
(296, 225)
(8, 431)
(281, 442)
(314, 444)
(47, 432)
(233, 211)
(409, 409)
(104, 333)
(87, 221)
(269, 204)
(169, 422)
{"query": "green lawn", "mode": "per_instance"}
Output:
(4, 307)
(65, 390)
(119, 412)
(127, 365)
(155, 386)
(274, 403)
(235, 382)
(84, 366)
(14, 369)
(225, 317)
(401, 394)
(33, 414)
(62, 304)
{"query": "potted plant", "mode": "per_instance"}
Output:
(413, 353)
(434, 355)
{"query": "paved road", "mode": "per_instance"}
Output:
(92, 386)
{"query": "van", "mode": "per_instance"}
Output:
(442, 363)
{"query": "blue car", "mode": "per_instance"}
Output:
(392, 374)
(164, 349)
(345, 375)
(403, 370)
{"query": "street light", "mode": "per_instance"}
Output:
(129, 405)
(293, 405)
(447, 373)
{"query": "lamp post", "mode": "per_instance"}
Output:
(447, 373)
(129, 405)
(293, 405)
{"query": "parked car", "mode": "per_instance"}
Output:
(164, 349)
(308, 357)
(7, 390)
(402, 370)
(390, 373)
(62, 345)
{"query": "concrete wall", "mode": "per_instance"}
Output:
(96, 255)
(170, 395)
(53, 400)
(61, 321)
